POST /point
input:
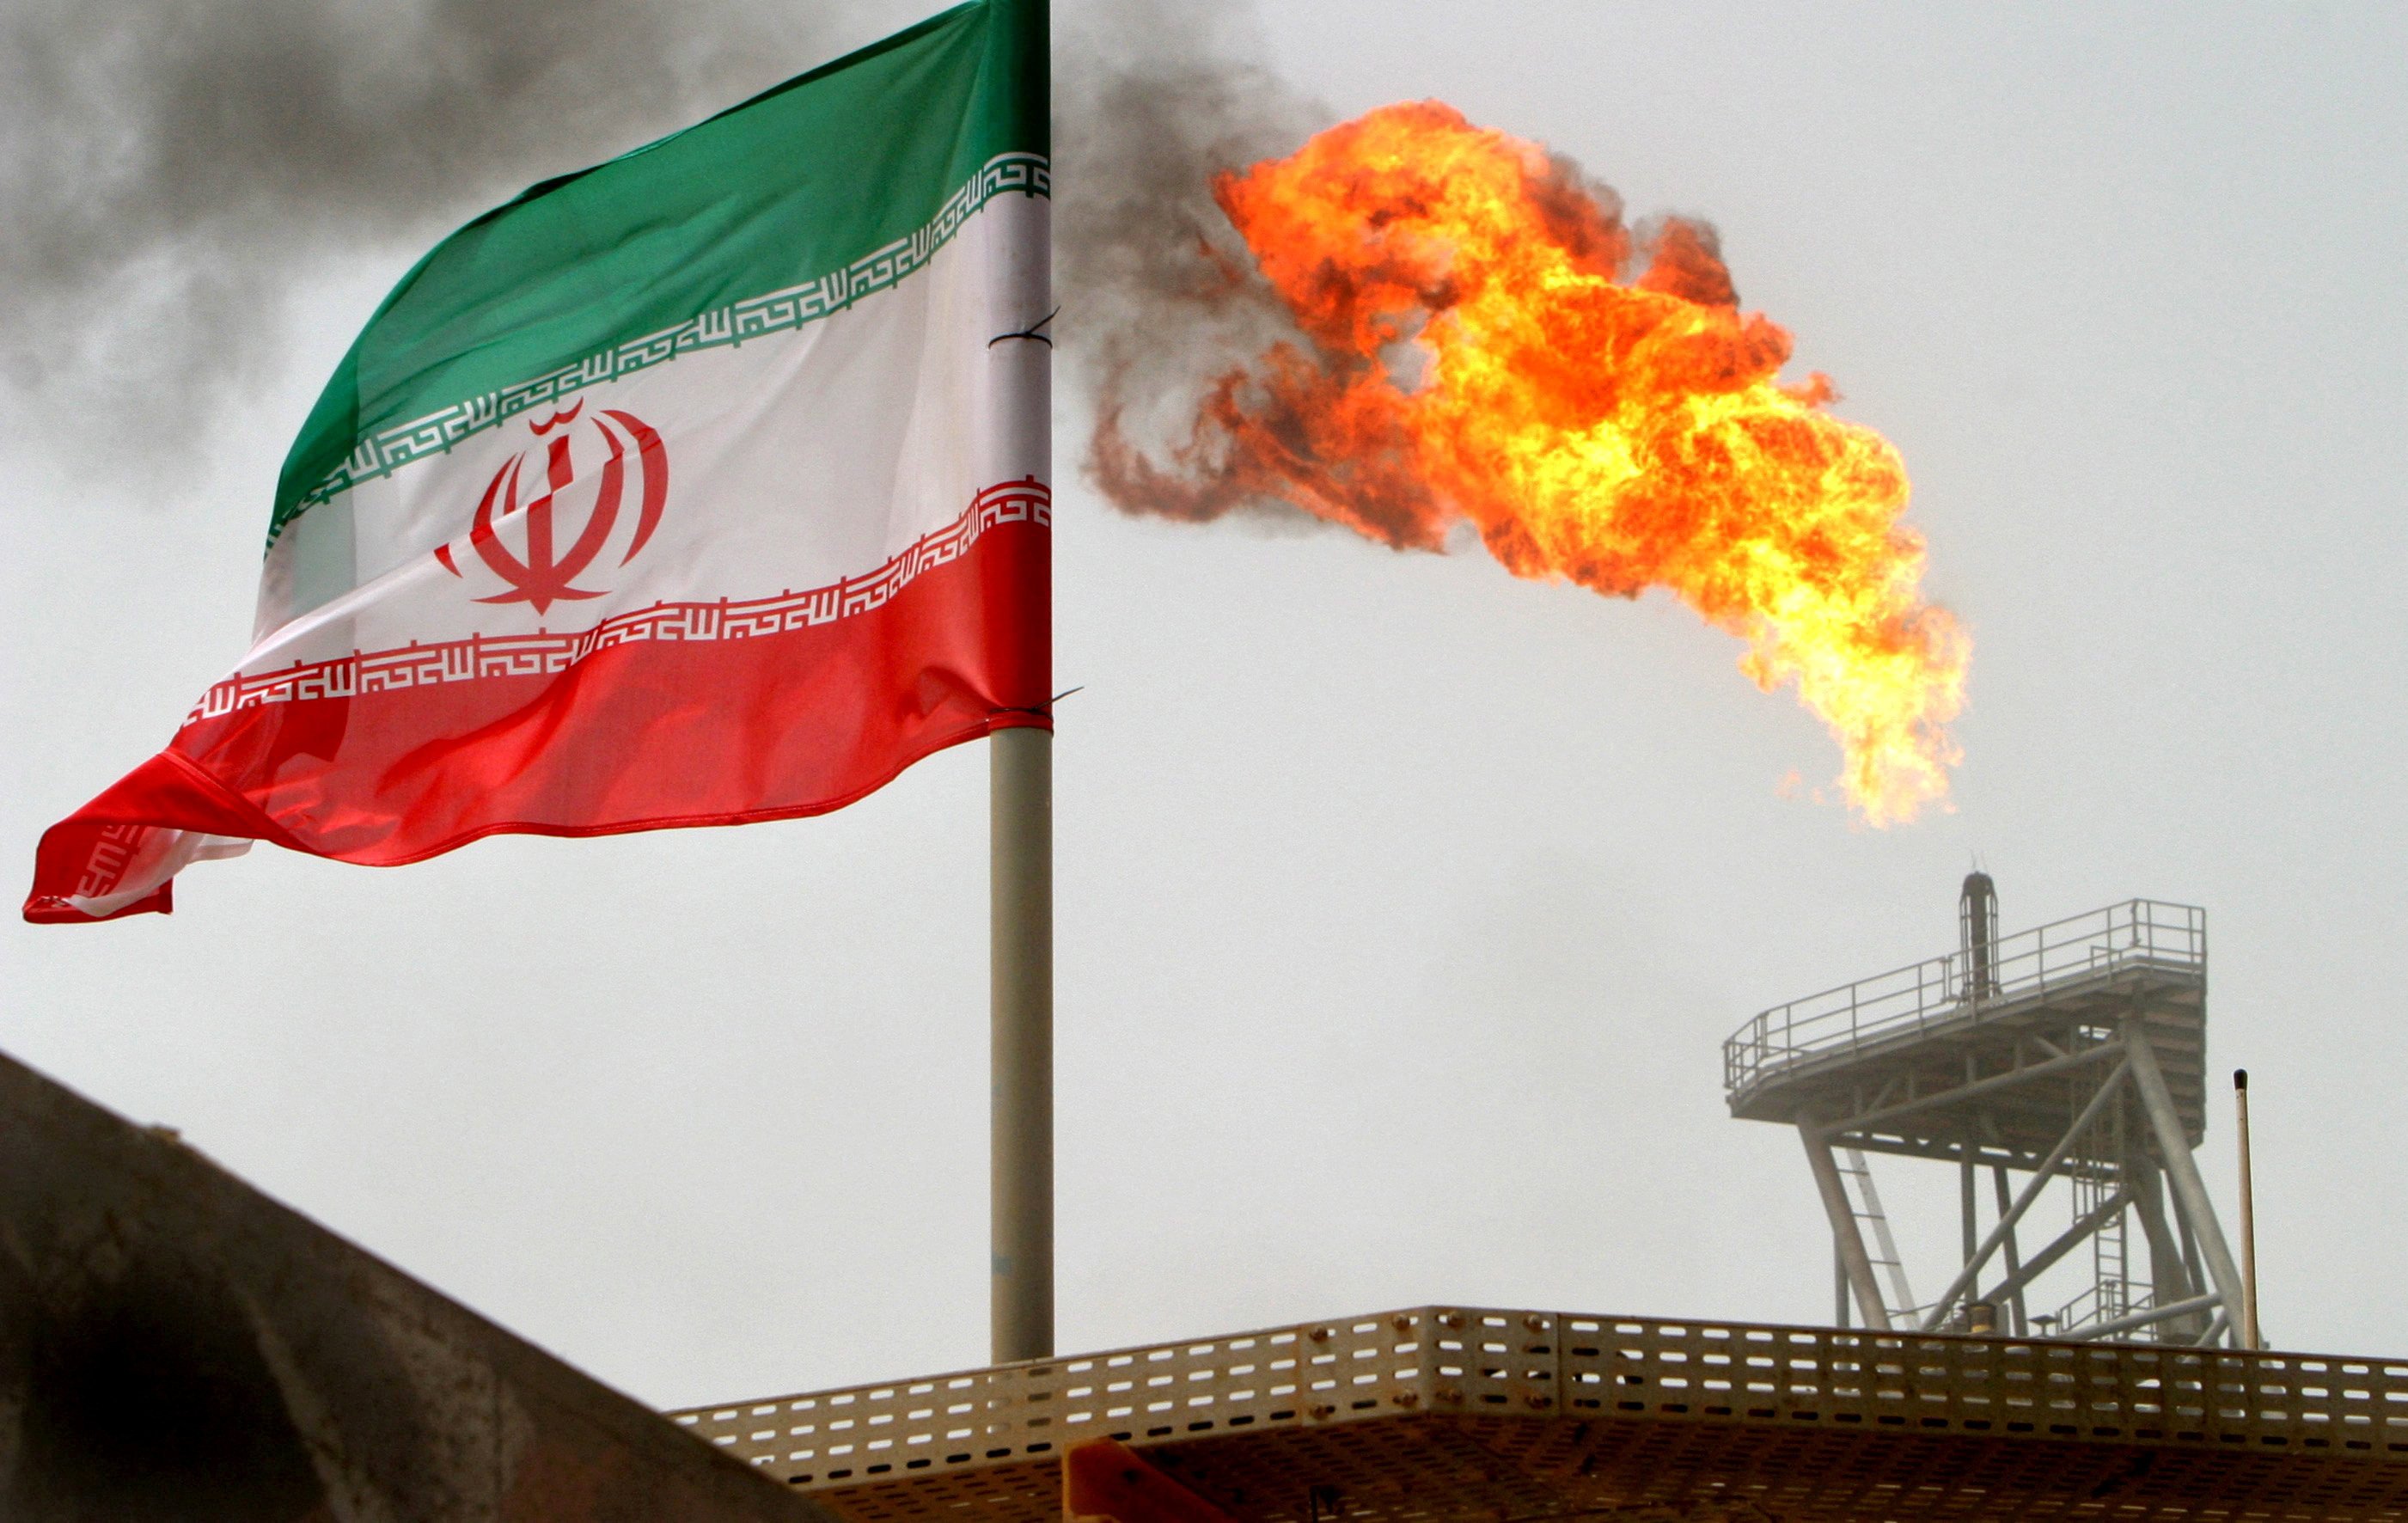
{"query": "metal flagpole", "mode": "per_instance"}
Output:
(1020, 864)
(1021, 880)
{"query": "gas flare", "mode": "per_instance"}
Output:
(1472, 351)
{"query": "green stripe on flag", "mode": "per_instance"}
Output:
(779, 211)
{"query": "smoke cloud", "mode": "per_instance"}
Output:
(168, 171)
(1160, 295)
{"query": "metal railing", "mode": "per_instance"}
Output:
(2137, 933)
(2109, 1301)
(1486, 1362)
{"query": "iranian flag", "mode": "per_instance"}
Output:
(707, 486)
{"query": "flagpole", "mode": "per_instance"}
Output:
(1020, 760)
(1021, 879)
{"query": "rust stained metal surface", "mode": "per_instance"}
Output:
(1105, 1481)
(1455, 1413)
(175, 1344)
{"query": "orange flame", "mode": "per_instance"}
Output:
(1621, 434)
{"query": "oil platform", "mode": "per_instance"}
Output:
(2064, 1063)
(2057, 1071)
(2062, 1067)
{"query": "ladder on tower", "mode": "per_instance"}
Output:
(1864, 1202)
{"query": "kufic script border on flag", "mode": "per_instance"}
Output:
(548, 652)
(387, 449)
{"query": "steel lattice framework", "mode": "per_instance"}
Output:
(2076, 1052)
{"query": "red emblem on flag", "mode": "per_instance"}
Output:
(545, 574)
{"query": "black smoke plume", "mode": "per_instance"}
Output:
(1160, 296)
(170, 171)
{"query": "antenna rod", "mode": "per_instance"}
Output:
(2248, 1214)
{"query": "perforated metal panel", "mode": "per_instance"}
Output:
(1456, 1413)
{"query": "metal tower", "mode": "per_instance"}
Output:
(2068, 1063)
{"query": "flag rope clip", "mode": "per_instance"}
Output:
(1034, 331)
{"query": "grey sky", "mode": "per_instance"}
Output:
(1403, 906)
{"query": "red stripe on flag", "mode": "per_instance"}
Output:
(641, 736)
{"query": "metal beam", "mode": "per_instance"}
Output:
(1851, 1242)
(2145, 1318)
(1894, 1144)
(1963, 1092)
(2012, 1304)
(2040, 1176)
(1968, 1224)
(2015, 1297)
(2191, 1265)
(2165, 1253)
(2182, 1170)
(2065, 1244)
(2168, 1283)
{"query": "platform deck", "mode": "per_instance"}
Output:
(1459, 1412)
(1919, 1032)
